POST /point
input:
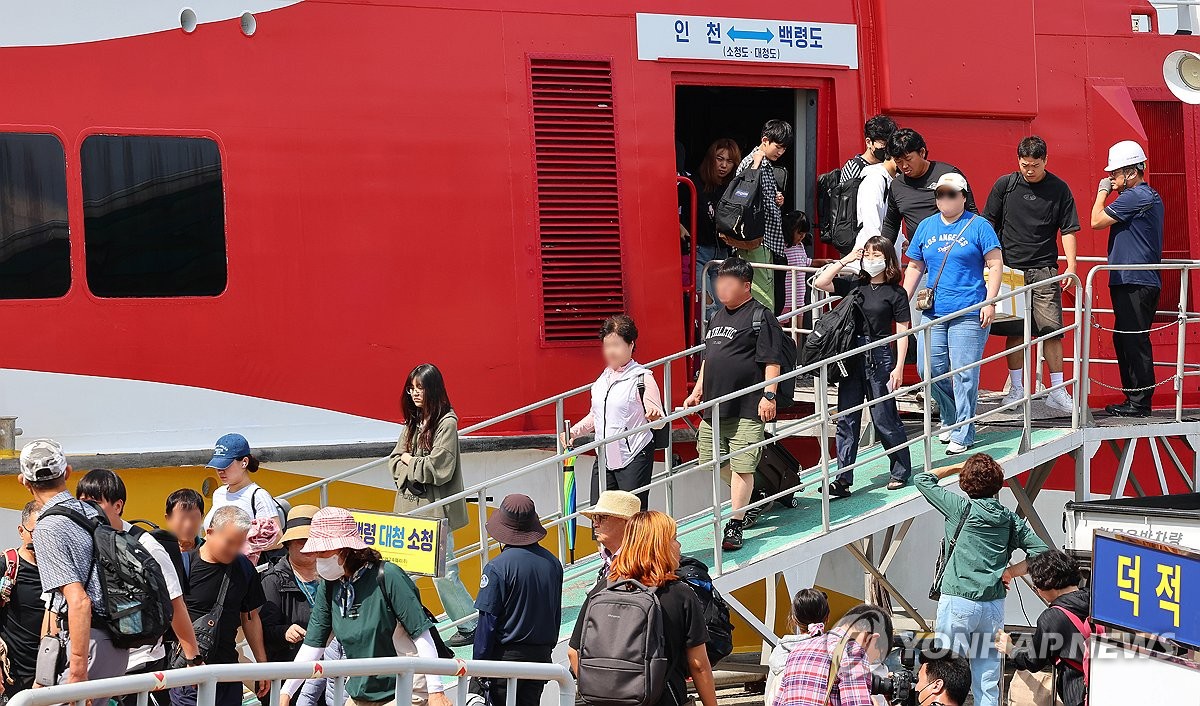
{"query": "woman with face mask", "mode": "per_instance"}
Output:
(881, 370)
(371, 606)
(625, 396)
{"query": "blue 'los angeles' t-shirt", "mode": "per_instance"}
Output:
(965, 242)
(1137, 236)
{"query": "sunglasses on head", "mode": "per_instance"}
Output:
(946, 195)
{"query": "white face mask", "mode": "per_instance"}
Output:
(873, 267)
(330, 568)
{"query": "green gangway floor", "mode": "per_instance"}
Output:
(785, 529)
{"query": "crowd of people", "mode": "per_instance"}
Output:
(301, 584)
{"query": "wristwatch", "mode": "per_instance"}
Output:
(194, 661)
(769, 396)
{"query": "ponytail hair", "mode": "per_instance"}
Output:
(251, 463)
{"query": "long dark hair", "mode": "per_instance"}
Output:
(891, 273)
(709, 181)
(437, 405)
(355, 559)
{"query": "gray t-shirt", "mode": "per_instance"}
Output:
(64, 553)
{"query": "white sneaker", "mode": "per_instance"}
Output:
(1060, 400)
(1015, 394)
(956, 448)
(944, 437)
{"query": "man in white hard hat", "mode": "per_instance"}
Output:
(1135, 237)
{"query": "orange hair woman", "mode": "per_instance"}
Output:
(650, 556)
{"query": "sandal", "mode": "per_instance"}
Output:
(897, 484)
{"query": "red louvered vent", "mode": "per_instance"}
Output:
(1167, 173)
(575, 150)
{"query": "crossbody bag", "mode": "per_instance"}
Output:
(925, 296)
(947, 550)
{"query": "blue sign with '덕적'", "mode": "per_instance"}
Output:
(1146, 586)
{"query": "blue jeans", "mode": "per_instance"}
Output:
(969, 628)
(453, 593)
(868, 381)
(705, 254)
(954, 344)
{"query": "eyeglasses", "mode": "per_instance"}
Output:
(414, 391)
(943, 195)
(599, 519)
(25, 528)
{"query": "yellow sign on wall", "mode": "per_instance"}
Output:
(415, 544)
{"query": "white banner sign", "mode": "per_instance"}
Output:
(1169, 530)
(737, 39)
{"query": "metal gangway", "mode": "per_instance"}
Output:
(788, 541)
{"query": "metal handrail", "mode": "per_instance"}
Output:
(206, 678)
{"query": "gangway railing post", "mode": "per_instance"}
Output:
(1079, 334)
(1029, 376)
(823, 410)
(927, 398)
(1181, 345)
(481, 508)
(715, 425)
(325, 495)
(669, 454)
(563, 431)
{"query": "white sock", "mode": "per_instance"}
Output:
(1056, 379)
(1017, 379)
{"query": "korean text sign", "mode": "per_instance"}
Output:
(416, 545)
(740, 39)
(1146, 586)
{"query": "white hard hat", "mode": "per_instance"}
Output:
(1125, 153)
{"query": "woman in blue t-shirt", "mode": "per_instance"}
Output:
(954, 246)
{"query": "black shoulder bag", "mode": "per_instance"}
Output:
(947, 550)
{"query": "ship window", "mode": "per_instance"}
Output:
(153, 216)
(35, 253)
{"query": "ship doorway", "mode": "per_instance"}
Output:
(704, 114)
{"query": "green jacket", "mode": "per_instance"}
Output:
(985, 546)
(438, 473)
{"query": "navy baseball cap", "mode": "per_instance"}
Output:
(229, 448)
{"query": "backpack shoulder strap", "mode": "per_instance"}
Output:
(1083, 628)
(758, 319)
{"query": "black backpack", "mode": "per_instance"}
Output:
(741, 214)
(834, 333)
(785, 394)
(133, 591)
(694, 573)
(837, 208)
(622, 651)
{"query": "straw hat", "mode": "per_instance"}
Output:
(515, 522)
(615, 503)
(333, 528)
(299, 521)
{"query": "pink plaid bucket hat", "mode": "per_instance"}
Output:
(333, 528)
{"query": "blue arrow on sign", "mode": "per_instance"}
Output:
(736, 34)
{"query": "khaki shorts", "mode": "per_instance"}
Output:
(1047, 302)
(736, 434)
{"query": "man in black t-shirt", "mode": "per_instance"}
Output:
(910, 197)
(736, 357)
(23, 607)
(1028, 209)
(221, 557)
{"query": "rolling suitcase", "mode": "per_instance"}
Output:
(778, 470)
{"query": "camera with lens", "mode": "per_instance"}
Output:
(897, 686)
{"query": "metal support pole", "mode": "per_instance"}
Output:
(870, 568)
(1181, 346)
(1028, 383)
(927, 399)
(404, 687)
(715, 428)
(669, 454)
(206, 692)
(1084, 389)
(481, 507)
(823, 410)
(562, 428)
(1077, 335)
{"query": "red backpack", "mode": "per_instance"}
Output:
(1087, 630)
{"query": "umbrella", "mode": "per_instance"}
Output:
(569, 501)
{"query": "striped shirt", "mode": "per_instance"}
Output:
(796, 256)
(64, 553)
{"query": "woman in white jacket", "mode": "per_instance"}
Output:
(625, 396)
(810, 611)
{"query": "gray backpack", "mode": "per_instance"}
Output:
(621, 652)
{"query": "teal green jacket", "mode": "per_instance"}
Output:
(985, 546)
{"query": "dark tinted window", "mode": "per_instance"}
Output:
(153, 216)
(35, 254)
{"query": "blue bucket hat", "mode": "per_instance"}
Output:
(229, 448)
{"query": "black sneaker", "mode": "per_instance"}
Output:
(733, 535)
(839, 490)
(462, 639)
(1127, 409)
